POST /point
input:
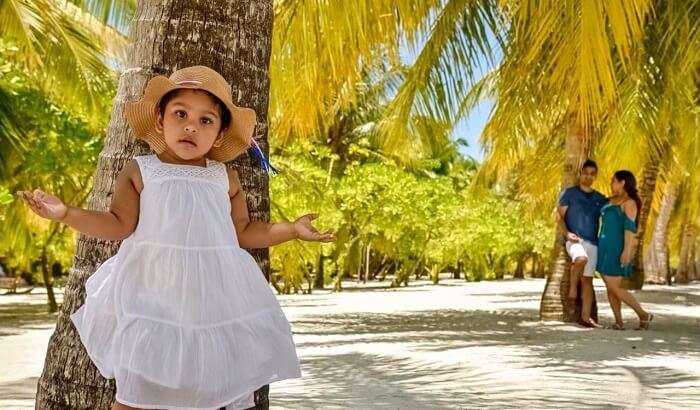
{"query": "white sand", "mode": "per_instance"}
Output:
(457, 345)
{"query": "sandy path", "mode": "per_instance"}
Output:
(457, 345)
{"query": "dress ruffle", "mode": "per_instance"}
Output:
(226, 334)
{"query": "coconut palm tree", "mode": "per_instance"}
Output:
(235, 39)
(66, 50)
(313, 78)
(558, 92)
(656, 259)
(555, 89)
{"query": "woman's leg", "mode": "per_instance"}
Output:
(614, 283)
(615, 303)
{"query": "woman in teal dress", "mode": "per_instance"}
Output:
(616, 243)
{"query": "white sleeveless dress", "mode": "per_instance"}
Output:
(181, 316)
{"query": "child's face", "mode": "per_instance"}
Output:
(190, 123)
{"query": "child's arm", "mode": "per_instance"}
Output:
(116, 224)
(257, 234)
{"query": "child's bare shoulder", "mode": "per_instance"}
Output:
(234, 183)
(132, 173)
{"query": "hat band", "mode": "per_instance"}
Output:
(189, 82)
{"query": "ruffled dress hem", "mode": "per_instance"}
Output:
(252, 387)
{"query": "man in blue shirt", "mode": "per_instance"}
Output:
(579, 211)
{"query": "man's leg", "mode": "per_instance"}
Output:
(587, 290)
(576, 270)
(579, 258)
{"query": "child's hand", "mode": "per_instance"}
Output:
(45, 205)
(306, 231)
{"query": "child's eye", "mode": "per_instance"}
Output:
(180, 114)
(207, 120)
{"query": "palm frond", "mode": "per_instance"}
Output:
(113, 13)
(64, 49)
(457, 47)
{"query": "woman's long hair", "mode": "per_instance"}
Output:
(631, 188)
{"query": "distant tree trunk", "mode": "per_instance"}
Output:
(359, 265)
(48, 281)
(367, 260)
(232, 37)
(520, 268)
(456, 275)
(318, 280)
(656, 260)
(435, 274)
(685, 264)
(554, 298)
(692, 266)
(533, 268)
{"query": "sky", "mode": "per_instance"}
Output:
(470, 127)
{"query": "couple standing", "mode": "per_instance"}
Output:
(610, 249)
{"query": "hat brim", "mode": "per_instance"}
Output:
(143, 114)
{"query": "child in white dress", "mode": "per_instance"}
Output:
(182, 316)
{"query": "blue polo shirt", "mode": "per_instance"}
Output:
(583, 212)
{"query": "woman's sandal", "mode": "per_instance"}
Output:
(590, 323)
(644, 324)
(617, 326)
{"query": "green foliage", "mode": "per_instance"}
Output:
(5, 199)
(57, 152)
(414, 220)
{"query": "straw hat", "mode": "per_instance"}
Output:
(142, 114)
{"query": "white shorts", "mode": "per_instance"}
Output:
(586, 250)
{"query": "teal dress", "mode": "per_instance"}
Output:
(611, 240)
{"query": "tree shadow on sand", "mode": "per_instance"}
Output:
(494, 358)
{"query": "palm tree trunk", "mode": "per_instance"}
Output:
(233, 38)
(656, 258)
(646, 193)
(685, 264)
(554, 298)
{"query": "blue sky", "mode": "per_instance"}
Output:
(470, 127)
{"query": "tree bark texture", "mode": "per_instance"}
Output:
(656, 258)
(553, 305)
(232, 37)
(646, 194)
(686, 265)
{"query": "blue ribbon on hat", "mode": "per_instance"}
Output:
(260, 155)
